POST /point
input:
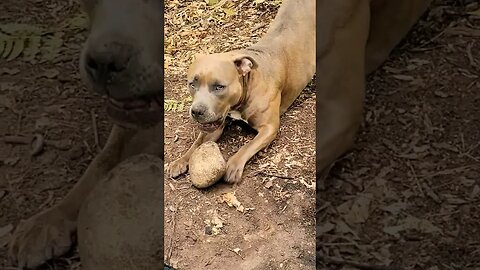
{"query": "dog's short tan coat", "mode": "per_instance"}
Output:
(261, 82)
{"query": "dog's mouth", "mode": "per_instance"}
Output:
(211, 126)
(135, 112)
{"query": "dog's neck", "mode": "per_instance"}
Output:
(245, 81)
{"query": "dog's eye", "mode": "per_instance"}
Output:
(219, 87)
(191, 85)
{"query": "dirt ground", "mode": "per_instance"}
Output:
(42, 95)
(409, 194)
(276, 228)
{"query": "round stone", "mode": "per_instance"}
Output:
(206, 165)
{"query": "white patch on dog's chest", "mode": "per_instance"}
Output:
(236, 115)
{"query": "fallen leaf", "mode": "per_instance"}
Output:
(421, 149)
(394, 208)
(51, 73)
(11, 161)
(451, 199)
(9, 71)
(44, 122)
(475, 13)
(214, 225)
(403, 77)
(211, 2)
(5, 230)
(229, 12)
(462, 31)
(441, 94)
(344, 207)
(269, 184)
(17, 49)
(7, 102)
(446, 146)
(392, 70)
(343, 228)
(231, 200)
(360, 209)
(411, 223)
(467, 182)
(380, 178)
(475, 192)
(5, 233)
(325, 228)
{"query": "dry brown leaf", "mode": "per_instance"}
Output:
(360, 210)
(231, 200)
(412, 223)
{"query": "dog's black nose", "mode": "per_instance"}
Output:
(104, 61)
(198, 111)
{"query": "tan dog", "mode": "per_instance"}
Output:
(260, 82)
(356, 36)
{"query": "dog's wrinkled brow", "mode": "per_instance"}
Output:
(194, 79)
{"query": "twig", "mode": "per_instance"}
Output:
(238, 254)
(170, 248)
(363, 266)
(47, 201)
(258, 27)
(274, 175)
(95, 130)
(16, 140)
(470, 55)
(415, 178)
(19, 122)
(13, 139)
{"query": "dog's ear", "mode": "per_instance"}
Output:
(244, 64)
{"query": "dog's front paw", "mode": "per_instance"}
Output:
(176, 168)
(40, 238)
(234, 170)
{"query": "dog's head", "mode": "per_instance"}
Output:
(122, 59)
(215, 82)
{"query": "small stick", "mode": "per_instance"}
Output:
(19, 122)
(95, 130)
(258, 27)
(470, 55)
(170, 248)
(16, 140)
(60, 145)
(238, 254)
(275, 175)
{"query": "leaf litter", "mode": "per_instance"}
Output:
(416, 204)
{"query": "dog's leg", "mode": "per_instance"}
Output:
(390, 22)
(267, 127)
(180, 166)
(50, 233)
(340, 79)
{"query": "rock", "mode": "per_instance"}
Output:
(206, 165)
(120, 225)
